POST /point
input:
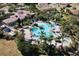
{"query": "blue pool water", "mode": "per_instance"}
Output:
(46, 27)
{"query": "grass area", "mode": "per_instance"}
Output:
(8, 48)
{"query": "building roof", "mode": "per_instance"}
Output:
(12, 19)
(44, 6)
(75, 12)
(20, 14)
(5, 9)
(74, 4)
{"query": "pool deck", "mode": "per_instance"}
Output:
(27, 35)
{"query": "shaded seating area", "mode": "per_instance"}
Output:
(7, 29)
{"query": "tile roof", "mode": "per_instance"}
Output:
(12, 18)
(75, 12)
(44, 6)
(20, 14)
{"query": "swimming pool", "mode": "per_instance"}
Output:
(43, 27)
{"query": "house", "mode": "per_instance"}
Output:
(5, 9)
(20, 14)
(75, 12)
(10, 20)
(74, 4)
(23, 13)
(44, 6)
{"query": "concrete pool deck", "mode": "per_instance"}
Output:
(27, 33)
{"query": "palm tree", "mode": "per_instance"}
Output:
(1, 34)
(47, 46)
(19, 23)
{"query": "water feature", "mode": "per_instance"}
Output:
(45, 28)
